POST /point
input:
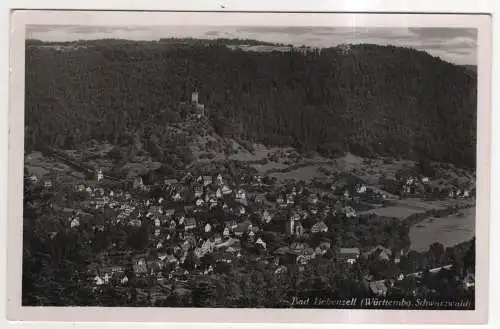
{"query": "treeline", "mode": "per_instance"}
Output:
(373, 100)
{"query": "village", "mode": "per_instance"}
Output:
(206, 222)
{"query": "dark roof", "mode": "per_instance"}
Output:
(349, 251)
(188, 208)
(190, 221)
(243, 226)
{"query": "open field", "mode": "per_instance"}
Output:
(306, 173)
(407, 207)
(448, 231)
(41, 165)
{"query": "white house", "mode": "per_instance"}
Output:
(261, 242)
(425, 180)
(98, 280)
(33, 179)
(198, 191)
(266, 216)
(177, 197)
(200, 202)
(208, 228)
(190, 224)
(226, 190)
(361, 189)
(350, 255)
(106, 278)
(319, 227)
(138, 183)
(349, 212)
(213, 202)
(207, 180)
(241, 194)
(74, 222)
(218, 194)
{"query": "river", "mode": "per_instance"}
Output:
(448, 231)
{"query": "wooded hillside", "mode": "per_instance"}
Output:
(371, 100)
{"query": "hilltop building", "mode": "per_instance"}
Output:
(200, 108)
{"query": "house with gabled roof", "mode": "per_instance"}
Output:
(170, 182)
(319, 227)
(226, 190)
(190, 224)
(74, 222)
(380, 252)
(207, 180)
(198, 191)
(266, 216)
(169, 213)
(140, 267)
(349, 212)
(378, 288)
(155, 211)
(241, 210)
(243, 227)
(312, 198)
(260, 198)
(177, 197)
(350, 255)
(361, 188)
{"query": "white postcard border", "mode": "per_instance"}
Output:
(83, 314)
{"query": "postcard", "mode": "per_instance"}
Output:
(249, 167)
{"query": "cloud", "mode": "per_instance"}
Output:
(444, 33)
(452, 44)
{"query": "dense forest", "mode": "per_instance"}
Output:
(370, 100)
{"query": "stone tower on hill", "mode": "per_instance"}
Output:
(200, 108)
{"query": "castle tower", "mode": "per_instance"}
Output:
(194, 98)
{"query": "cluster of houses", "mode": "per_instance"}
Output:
(412, 185)
(210, 215)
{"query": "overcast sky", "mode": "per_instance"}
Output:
(455, 45)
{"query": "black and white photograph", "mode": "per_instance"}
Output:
(250, 166)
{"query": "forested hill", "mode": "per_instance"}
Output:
(367, 100)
